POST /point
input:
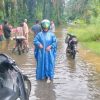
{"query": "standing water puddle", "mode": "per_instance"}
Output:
(74, 79)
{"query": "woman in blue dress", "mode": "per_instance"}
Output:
(45, 52)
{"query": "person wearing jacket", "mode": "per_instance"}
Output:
(7, 33)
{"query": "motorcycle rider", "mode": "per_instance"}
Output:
(70, 39)
(71, 49)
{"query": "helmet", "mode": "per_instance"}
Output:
(45, 24)
(25, 20)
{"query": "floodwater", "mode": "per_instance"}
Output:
(74, 79)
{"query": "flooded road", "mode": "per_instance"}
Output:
(74, 79)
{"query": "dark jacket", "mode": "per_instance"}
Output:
(36, 29)
(7, 31)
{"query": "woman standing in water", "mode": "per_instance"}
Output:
(45, 52)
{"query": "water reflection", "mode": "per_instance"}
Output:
(71, 64)
(44, 91)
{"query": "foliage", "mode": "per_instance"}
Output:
(88, 10)
(86, 32)
(16, 10)
(93, 46)
(86, 17)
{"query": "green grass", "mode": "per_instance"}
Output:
(88, 35)
(93, 46)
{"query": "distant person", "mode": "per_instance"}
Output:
(7, 33)
(20, 30)
(1, 36)
(26, 31)
(52, 26)
(45, 52)
(19, 37)
(36, 28)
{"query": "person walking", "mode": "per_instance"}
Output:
(26, 32)
(7, 33)
(52, 26)
(1, 36)
(20, 39)
(36, 28)
(46, 46)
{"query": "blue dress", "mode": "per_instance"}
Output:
(45, 59)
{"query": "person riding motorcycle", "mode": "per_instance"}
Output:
(70, 39)
(71, 42)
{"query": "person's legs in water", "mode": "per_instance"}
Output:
(24, 45)
(1, 42)
(27, 43)
(48, 80)
(7, 42)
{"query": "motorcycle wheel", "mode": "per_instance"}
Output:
(73, 54)
(67, 51)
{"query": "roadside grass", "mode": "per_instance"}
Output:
(93, 46)
(86, 32)
(88, 35)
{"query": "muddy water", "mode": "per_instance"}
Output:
(90, 57)
(74, 79)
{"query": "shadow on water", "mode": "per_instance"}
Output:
(45, 91)
(71, 64)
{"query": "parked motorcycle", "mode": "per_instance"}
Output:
(13, 84)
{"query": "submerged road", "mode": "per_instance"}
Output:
(74, 79)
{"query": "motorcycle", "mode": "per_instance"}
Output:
(20, 46)
(13, 84)
(72, 47)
